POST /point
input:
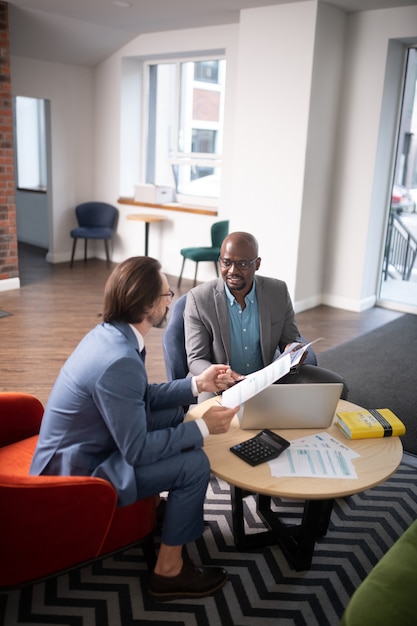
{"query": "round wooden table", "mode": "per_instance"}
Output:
(148, 218)
(379, 459)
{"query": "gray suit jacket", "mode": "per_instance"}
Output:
(207, 325)
(96, 418)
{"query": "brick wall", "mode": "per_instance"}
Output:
(8, 237)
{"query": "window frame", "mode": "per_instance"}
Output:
(31, 152)
(177, 157)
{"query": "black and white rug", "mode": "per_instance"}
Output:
(262, 588)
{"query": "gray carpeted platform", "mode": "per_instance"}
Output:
(381, 371)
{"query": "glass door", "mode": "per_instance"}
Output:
(398, 287)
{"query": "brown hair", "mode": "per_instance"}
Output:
(132, 290)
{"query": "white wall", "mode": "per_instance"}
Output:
(70, 92)
(276, 47)
(319, 155)
(292, 55)
(311, 202)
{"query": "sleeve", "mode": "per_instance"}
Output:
(121, 397)
(290, 332)
(198, 338)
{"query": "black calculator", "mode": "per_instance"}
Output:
(264, 447)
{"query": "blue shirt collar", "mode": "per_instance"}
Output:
(249, 298)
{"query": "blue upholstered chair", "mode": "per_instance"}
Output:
(95, 221)
(219, 230)
(173, 342)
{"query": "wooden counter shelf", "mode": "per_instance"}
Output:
(172, 206)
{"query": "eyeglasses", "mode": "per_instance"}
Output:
(242, 265)
(169, 295)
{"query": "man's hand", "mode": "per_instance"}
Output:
(217, 378)
(218, 418)
(292, 348)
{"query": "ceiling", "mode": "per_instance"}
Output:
(85, 32)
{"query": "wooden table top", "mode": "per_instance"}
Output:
(146, 217)
(379, 458)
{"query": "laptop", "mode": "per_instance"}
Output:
(291, 406)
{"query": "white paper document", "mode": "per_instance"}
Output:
(297, 353)
(256, 382)
(315, 456)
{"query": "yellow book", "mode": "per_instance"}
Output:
(363, 424)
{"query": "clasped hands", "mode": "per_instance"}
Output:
(217, 378)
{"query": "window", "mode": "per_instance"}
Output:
(30, 144)
(184, 119)
(207, 71)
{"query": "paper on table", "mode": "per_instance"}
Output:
(256, 382)
(324, 441)
(317, 456)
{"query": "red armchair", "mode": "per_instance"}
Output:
(51, 523)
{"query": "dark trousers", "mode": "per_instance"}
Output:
(314, 374)
(185, 476)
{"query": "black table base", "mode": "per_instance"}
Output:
(296, 541)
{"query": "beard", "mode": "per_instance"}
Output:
(158, 320)
(235, 282)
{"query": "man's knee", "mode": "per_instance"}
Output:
(198, 462)
(192, 472)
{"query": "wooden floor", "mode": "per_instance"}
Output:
(56, 306)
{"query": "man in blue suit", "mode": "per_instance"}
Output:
(104, 419)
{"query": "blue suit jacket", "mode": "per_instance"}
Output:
(95, 421)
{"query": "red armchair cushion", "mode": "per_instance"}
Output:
(51, 523)
(20, 416)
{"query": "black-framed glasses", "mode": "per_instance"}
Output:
(243, 264)
(169, 295)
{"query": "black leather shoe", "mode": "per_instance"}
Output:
(191, 582)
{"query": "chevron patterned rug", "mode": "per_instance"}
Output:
(261, 587)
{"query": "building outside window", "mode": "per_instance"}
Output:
(184, 120)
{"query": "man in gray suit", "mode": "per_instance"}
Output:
(243, 319)
(104, 419)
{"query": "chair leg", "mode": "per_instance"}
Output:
(106, 245)
(73, 252)
(195, 273)
(85, 250)
(182, 269)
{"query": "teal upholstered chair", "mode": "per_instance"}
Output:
(219, 230)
